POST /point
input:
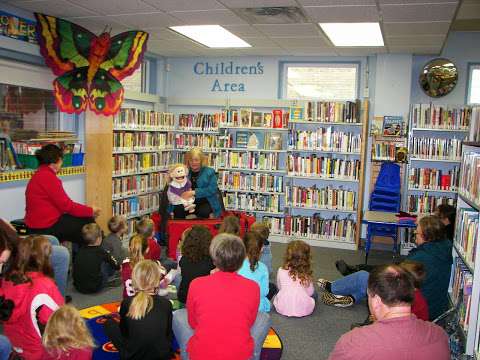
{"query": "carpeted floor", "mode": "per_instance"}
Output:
(310, 338)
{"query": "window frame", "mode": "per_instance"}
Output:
(471, 67)
(283, 73)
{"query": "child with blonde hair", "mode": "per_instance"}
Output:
(113, 242)
(295, 282)
(67, 337)
(145, 329)
(146, 228)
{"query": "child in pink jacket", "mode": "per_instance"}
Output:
(295, 282)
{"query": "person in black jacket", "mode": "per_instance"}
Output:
(196, 260)
(145, 329)
(93, 265)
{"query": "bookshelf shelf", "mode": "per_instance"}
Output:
(252, 150)
(193, 131)
(274, 213)
(469, 201)
(121, 197)
(435, 160)
(144, 129)
(141, 172)
(244, 128)
(460, 253)
(433, 190)
(142, 151)
(220, 168)
(322, 178)
(439, 129)
(323, 151)
(320, 209)
(324, 123)
(252, 191)
(206, 151)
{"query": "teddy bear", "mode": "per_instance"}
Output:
(178, 184)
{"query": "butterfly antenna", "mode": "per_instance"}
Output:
(105, 29)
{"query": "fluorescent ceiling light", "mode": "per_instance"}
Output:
(353, 34)
(213, 36)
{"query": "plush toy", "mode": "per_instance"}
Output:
(179, 183)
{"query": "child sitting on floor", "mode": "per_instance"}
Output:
(113, 242)
(146, 228)
(30, 296)
(93, 265)
(230, 225)
(195, 260)
(138, 251)
(294, 280)
(264, 231)
(254, 269)
(67, 337)
(419, 305)
(145, 329)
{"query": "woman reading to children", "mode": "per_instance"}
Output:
(49, 210)
(204, 189)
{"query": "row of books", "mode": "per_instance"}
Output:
(466, 234)
(435, 148)
(134, 119)
(326, 167)
(8, 159)
(247, 118)
(179, 157)
(462, 283)
(125, 141)
(125, 164)
(252, 202)
(203, 141)
(325, 139)
(385, 151)
(201, 122)
(427, 203)
(433, 116)
(327, 111)
(469, 184)
(250, 182)
(314, 227)
(321, 198)
(136, 184)
(244, 139)
(475, 125)
(248, 160)
(136, 205)
(434, 179)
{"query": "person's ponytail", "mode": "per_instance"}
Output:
(253, 244)
(141, 304)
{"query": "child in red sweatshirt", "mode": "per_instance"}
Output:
(30, 286)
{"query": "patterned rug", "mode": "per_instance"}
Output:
(95, 316)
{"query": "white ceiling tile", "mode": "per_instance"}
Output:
(98, 24)
(260, 42)
(148, 20)
(184, 5)
(418, 28)
(211, 17)
(469, 11)
(301, 41)
(115, 7)
(257, 3)
(418, 12)
(416, 1)
(175, 52)
(342, 13)
(59, 8)
(163, 34)
(263, 51)
(335, 2)
(417, 50)
(289, 30)
(311, 51)
(243, 30)
(360, 51)
(415, 40)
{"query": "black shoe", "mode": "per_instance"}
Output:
(344, 268)
(68, 299)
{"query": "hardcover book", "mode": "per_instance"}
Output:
(393, 126)
(257, 119)
(242, 139)
(277, 118)
(245, 117)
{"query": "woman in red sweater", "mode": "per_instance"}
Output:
(221, 321)
(49, 210)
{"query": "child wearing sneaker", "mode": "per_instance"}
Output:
(296, 295)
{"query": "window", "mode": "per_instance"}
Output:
(138, 81)
(320, 81)
(474, 84)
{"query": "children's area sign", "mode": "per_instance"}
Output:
(228, 76)
(18, 28)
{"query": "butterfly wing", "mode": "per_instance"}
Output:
(125, 54)
(71, 91)
(64, 45)
(106, 94)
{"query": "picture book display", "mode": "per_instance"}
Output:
(393, 126)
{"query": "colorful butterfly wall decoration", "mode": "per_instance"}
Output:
(89, 68)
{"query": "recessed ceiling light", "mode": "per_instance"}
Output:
(213, 36)
(353, 34)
